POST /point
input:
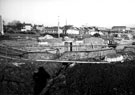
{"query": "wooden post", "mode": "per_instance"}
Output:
(70, 46)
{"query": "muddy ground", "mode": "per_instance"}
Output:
(82, 79)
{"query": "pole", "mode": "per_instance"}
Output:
(66, 22)
(1, 25)
(58, 28)
(70, 46)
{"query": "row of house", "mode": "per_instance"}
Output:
(69, 29)
(75, 30)
(29, 27)
(123, 28)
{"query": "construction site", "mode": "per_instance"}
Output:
(75, 61)
(28, 67)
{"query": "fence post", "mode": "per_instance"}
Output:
(70, 46)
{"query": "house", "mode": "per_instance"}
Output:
(132, 29)
(66, 27)
(52, 30)
(91, 30)
(119, 28)
(102, 28)
(94, 43)
(88, 30)
(26, 27)
(73, 31)
(96, 32)
(39, 27)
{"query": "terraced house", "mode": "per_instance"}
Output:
(52, 30)
(26, 27)
(119, 28)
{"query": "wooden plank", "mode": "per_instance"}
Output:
(61, 61)
(56, 61)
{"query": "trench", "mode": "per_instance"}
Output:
(82, 79)
(43, 81)
(40, 80)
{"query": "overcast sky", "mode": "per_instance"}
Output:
(104, 13)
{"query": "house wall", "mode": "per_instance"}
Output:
(119, 28)
(71, 31)
(28, 27)
(132, 29)
(53, 31)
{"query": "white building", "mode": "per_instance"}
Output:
(73, 31)
(39, 27)
(27, 27)
(94, 32)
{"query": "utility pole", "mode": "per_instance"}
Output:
(66, 22)
(58, 28)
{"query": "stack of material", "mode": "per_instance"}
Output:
(95, 42)
(54, 40)
(45, 37)
(67, 39)
(114, 58)
(78, 46)
(122, 56)
(85, 55)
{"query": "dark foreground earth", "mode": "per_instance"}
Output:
(82, 79)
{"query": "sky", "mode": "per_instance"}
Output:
(102, 13)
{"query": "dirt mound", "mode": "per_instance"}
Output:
(97, 79)
(16, 80)
(82, 79)
(20, 78)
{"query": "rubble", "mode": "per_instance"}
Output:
(85, 55)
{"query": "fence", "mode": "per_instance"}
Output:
(74, 52)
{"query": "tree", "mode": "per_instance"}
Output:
(66, 27)
(17, 25)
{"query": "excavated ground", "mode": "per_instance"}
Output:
(22, 78)
(98, 79)
(82, 79)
